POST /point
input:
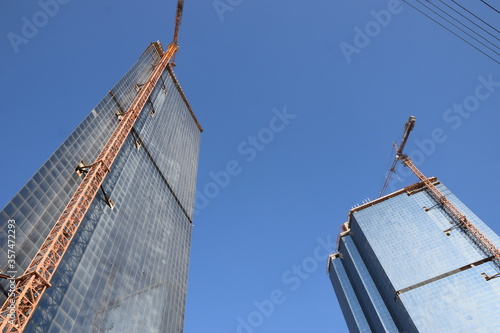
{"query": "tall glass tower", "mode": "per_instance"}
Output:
(402, 265)
(126, 268)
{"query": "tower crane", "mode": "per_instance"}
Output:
(475, 235)
(29, 288)
(408, 128)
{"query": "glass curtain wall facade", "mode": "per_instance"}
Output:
(402, 266)
(126, 268)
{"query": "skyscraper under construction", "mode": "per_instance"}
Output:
(401, 266)
(417, 260)
(100, 235)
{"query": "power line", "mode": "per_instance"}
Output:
(453, 32)
(468, 19)
(423, 4)
(471, 13)
(487, 4)
(462, 25)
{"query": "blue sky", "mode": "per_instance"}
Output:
(296, 130)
